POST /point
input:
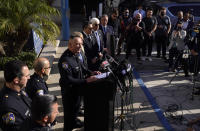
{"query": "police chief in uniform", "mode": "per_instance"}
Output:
(75, 81)
(37, 83)
(14, 102)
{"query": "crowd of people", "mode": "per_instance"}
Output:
(25, 103)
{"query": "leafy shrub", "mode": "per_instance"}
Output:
(27, 57)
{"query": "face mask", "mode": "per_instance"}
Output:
(45, 77)
(162, 13)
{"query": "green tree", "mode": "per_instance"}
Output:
(19, 17)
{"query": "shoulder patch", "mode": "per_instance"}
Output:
(40, 92)
(8, 118)
(65, 65)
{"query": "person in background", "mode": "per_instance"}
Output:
(97, 36)
(135, 36)
(14, 102)
(114, 22)
(176, 48)
(162, 32)
(179, 18)
(150, 27)
(108, 33)
(37, 83)
(187, 23)
(124, 22)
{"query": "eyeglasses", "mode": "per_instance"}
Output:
(96, 24)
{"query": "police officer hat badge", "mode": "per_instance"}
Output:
(9, 118)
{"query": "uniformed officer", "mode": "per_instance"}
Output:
(14, 102)
(76, 80)
(36, 84)
(49, 108)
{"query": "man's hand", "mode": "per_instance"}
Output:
(149, 34)
(105, 49)
(100, 55)
(138, 28)
(91, 79)
(96, 72)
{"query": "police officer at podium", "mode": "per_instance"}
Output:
(75, 81)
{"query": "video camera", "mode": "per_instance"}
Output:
(121, 71)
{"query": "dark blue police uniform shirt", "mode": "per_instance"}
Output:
(36, 86)
(14, 109)
(37, 127)
(72, 70)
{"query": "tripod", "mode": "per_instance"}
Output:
(180, 62)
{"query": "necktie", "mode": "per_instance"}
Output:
(80, 57)
(98, 39)
(104, 29)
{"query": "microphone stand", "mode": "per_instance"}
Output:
(121, 117)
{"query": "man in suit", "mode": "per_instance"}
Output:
(108, 34)
(97, 38)
(90, 46)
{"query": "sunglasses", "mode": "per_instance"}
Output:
(96, 24)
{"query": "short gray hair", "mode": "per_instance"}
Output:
(95, 21)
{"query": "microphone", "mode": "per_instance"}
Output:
(105, 64)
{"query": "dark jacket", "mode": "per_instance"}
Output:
(135, 37)
(72, 71)
(36, 86)
(14, 109)
(107, 32)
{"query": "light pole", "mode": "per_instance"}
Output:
(65, 19)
